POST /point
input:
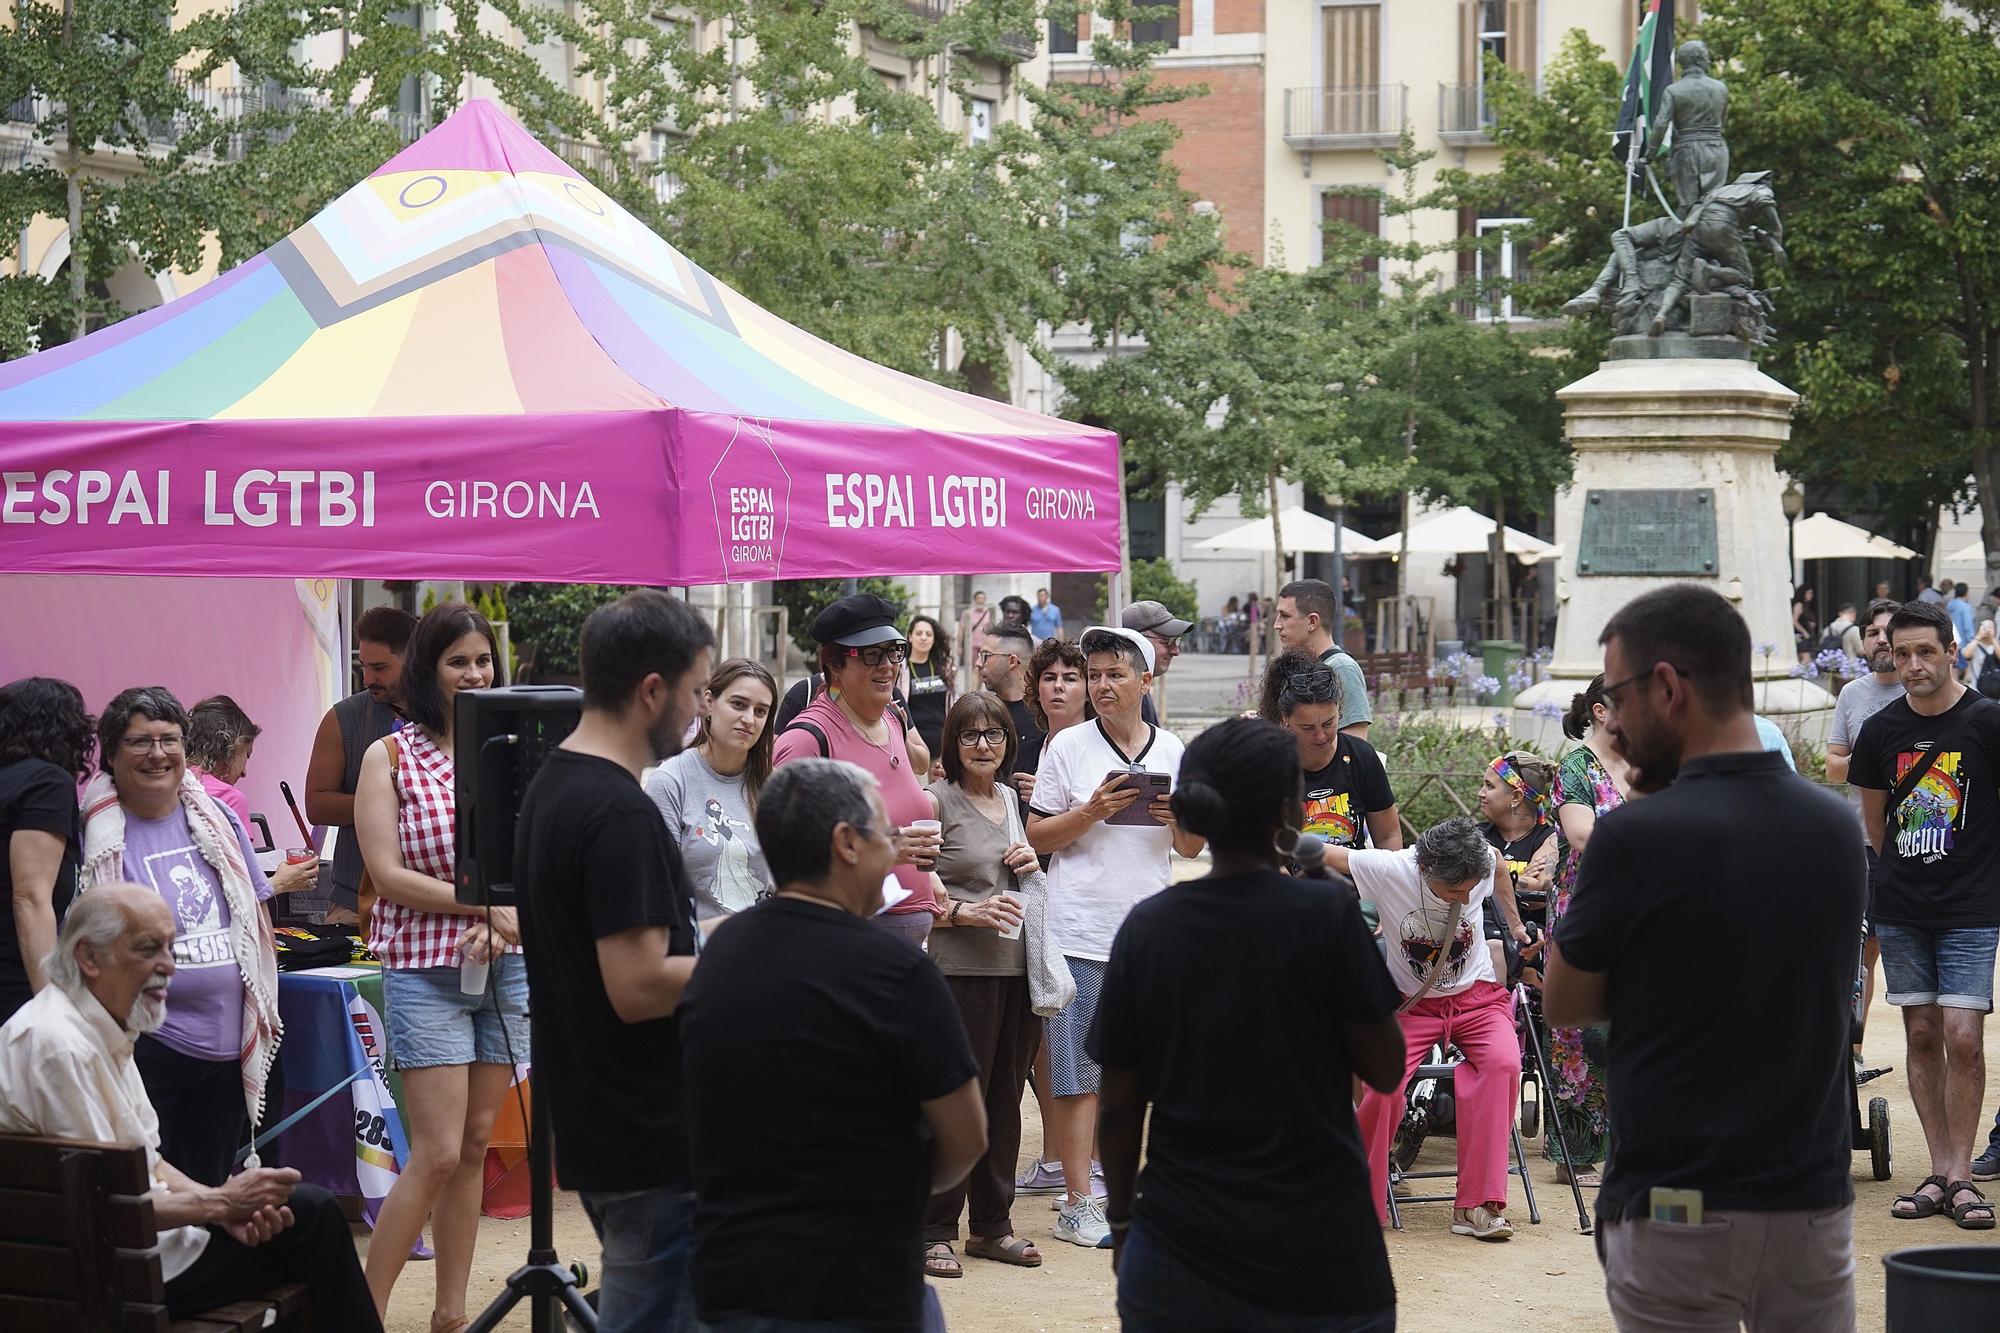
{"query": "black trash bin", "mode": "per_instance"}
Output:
(1943, 1286)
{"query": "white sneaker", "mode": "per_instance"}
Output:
(1082, 1223)
(1481, 1223)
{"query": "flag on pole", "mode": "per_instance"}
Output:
(1652, 69)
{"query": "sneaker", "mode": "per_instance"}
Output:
(1082, 1223)
(1986, 1166)
(1098, 1189)
(1042, 1178)
(1481, 1223)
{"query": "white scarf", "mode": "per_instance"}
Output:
(249, 928)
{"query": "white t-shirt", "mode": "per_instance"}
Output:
(1101, 876)
(1413, 920)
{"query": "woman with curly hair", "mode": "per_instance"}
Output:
(45, 739)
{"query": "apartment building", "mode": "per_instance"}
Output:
(1302, 96)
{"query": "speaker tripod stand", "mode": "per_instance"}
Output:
(544, 1281)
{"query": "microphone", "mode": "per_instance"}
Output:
(1311, 854)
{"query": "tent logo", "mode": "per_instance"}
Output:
(752, 495)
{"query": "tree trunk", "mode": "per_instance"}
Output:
(1277, 570)
(1982, 362)
(78, 279)
(1503, 611)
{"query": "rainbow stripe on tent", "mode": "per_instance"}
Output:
(478, 276)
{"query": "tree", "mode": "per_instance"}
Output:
(113, 89)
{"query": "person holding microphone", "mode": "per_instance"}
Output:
(861, 652)
(977, 944)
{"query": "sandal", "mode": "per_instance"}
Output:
(1961, 1213)
(1004, 1250)
(939, 1261)
(451, 1324)
(1589, 1178)
(1921, 1204)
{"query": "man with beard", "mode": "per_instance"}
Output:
(66, 1070)
(608, 925)
(347, 731)
(1732, 889)
(1002, 664)
(1927, 766)
(1859, 700)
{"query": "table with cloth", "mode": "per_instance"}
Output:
(354, 1142)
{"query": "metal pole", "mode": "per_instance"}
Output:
(1339, 577)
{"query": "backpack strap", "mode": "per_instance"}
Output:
(819, 737)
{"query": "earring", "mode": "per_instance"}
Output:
(1278, 845)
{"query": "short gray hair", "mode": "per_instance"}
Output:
(800, 806)
(1097, 641)
(1454, 852)
(95, 917)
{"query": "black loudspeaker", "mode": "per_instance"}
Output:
(501, 738)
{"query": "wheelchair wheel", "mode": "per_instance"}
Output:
(1878, 1135)
(1531, 1117)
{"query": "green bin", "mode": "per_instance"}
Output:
(1496, 654)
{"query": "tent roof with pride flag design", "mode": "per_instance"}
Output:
(474, 364)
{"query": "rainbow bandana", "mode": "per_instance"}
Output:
(1507, 773)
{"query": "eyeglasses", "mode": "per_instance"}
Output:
(1314, 685)
(878, 653)
(995, 736)
(143, 744)
(1611, 691)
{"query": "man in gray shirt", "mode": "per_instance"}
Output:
(1860, 700)
(1308, 616)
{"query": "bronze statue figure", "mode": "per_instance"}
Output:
(1695, 107)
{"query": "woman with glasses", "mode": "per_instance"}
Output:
(1348, 800)
(977, 944)
(861, 652)
(456, 1051)
(147, 821)
(1591, 782)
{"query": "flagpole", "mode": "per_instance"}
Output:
(1632, 162)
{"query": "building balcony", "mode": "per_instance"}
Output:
(1015, 47)
(1465, 117)
(1320, 119)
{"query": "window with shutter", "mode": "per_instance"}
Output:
(1501, 29)
(1351, 70)
(1363, 211)
(1163, 29)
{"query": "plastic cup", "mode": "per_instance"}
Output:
(300, 856)
(927, 826)
(1015, 933)
(472, 976)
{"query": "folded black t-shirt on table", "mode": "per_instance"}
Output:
(810, 1037)
(35, 796)
(592, 859)
(1941, 852)
(1727, 911)
(1254, 1176)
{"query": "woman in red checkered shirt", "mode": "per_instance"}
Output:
(456, 1051)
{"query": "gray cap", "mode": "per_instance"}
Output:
(1153, 618)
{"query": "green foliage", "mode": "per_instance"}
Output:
(1414, 746)
(546, 620)
(1152, 581)
(806, 598)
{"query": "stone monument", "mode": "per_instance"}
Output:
(1677, 432)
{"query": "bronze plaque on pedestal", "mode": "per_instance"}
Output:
(1650, 532)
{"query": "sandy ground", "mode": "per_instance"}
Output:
(1549, 1269)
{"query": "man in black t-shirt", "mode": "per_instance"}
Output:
(607, 925)
(1935, 755)
(1716, 925)
(830, 1086)
(1002, 664)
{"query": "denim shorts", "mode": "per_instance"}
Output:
(433, 1022)
(1072, 1072)
(1949, 968)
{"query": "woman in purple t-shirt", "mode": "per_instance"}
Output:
(148, 821)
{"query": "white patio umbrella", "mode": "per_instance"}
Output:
(1466, 531)
(1974, 554)
(1824, 537)
(1303, 532)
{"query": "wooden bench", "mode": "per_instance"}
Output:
(1401, 672)
(79, 1249)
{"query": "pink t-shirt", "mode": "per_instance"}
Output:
(902, 794)
(228, 795)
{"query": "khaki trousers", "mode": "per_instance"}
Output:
(1767, 1272)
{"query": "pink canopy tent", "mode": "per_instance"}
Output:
(474, 365)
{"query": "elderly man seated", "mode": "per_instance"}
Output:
(1430, 897)
(66, 1070)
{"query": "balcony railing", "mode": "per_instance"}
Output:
(208, 104)
(616, 166)
(1464, 114)
(1352, 117)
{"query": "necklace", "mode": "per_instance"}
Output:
(860, 729)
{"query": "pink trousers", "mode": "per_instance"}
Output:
(1485, 1088)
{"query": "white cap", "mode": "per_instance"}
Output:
(1145, 645)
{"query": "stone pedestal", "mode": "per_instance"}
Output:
(1689, 423)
